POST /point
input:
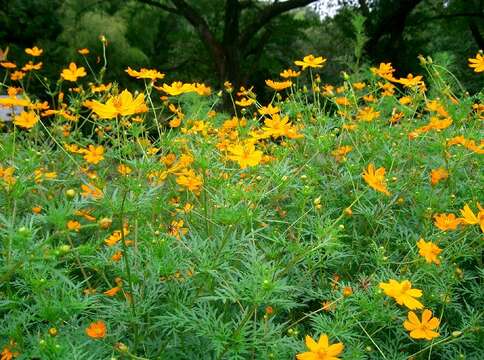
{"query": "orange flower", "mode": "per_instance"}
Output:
(31, 66)
(123, 105)
(376, 178)
(112, 292)
(73, 72)
(74, 225)
(321, 350)
(403, 293)
(35, 51)
(26, 120)
(279, 85)
(429, 251)
(96, 330)
(446, 221)
(436, 175)
(8, 65)
(93, 154)
(422, 329)
(117, 256)
(311, 61)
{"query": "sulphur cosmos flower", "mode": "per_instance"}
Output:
(321, 350)
(245, 154)
(26, 120)
(429, 251)
(477, 63)
(145, 74)
(403, 293)
(436, 175)
(375, 178)
(310, 61)
(35, 51)
(423, 329)
(123, 104)
(96, 330)
(73, 72)
(446, 221)
(279, 85)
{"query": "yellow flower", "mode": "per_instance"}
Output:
(176, 88)
(26, 120)
(321, 350)
(244, 102)
(411, 81)
(469, 218)
(6, 174)
(277, 127)
(31, 66)
(245, 154)
(311, 61)
(286, 74)
(190, 180)
(367, 114)
(145, 74)
(446, 221)
(402, 293)
(279, 85)
(202, 89)
(422, 329)
(73, 72)
(436, 175)
(269, 110)
(477, 63)
(429, 251)
(124, 169)
(89, 190)
(93, 154)
(83, 51)
(376, 178)
(359, 85)
(35, 51)
(122, 104)
(341, 152)
(8, 65)
(385, 70)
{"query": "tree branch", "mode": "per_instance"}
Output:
(155, 3)
(269, 13)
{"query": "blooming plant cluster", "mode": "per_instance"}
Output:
(335, 221)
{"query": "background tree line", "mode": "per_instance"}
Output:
(244, 41)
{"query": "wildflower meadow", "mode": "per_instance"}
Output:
(179, 221)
